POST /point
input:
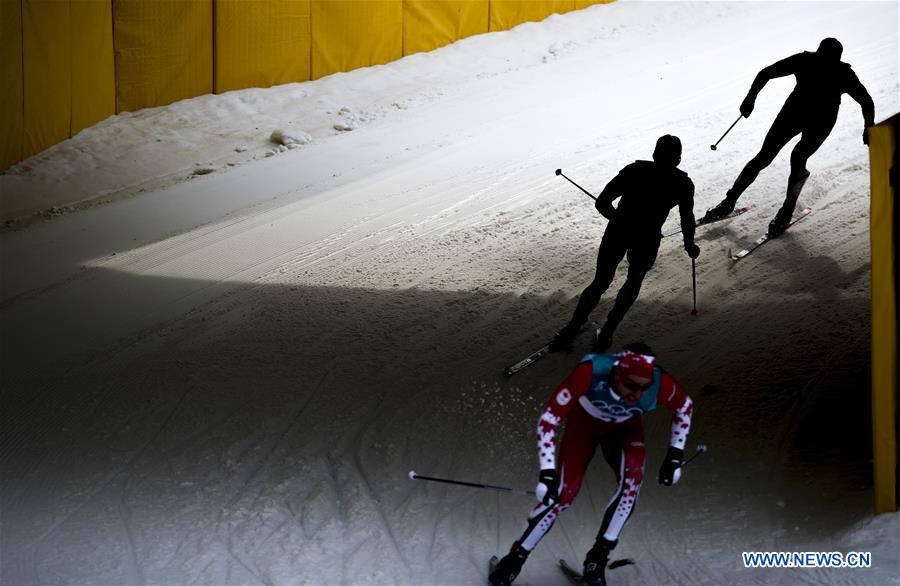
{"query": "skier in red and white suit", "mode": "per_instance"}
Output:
(601, 401)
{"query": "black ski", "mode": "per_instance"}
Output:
(765, 237)
(492, 564)
(570, 572)
(527, 361)
(534, 357)
(576, 576)
(735, 213)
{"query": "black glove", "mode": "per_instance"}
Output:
(670, 471)
(605, 208)
(547, 490)
(865, 136)
(747, 105)
(692, 249)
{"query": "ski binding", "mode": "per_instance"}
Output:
(735, 213)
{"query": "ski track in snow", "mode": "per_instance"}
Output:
(227, 381)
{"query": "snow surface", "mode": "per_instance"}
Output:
(227, 378)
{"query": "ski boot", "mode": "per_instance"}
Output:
(509, 566)
(783, 218)
(595, 562)
(778, 225)
(725, 207)
(562, 340)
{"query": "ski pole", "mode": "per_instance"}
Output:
(414, 476)
(713, 146)
(701, 448)
(694, 276)
(593, 197)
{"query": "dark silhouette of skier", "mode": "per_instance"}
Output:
(649, 190)
(810, 111)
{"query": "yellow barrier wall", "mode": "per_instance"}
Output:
(93, 67)
(163, 51)
(882, 216)
(11, 95)
(261, 44)
(579, 4)
(347, 34)
(506, 14)
(46, 37)
(429, 24)
(67, 64)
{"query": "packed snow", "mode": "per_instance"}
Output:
(231, 326)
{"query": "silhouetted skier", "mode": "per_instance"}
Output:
(649, 190)
(810, 111)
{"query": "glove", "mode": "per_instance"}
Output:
(692, 249)
(747, 105)
(670, 471)
(605, 209)
(865, 136)
(547, 490)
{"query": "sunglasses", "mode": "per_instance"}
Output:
(635, 386)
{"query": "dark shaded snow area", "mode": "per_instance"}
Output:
(226, 380)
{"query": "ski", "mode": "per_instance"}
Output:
(570, 572)
(527, 361)
(735, 213)
(576, 576)
(765, 237)
(492, 564)
(534, 357)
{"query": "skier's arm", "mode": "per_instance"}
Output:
(673, 396)
(788, 66)
(857, 91)
(564, 399)
(688, 223)
(612, 190)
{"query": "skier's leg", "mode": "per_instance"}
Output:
(640, 260)
(784, 128)
(609, 255)
(810, 142)
(575, 453)
(630, 475)
(629, 468)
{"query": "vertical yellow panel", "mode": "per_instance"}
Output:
(163, 51)
(261, 43)
(579, 4)
(93, 69)
(47, 73)
(882, 214)
(11, 107)
(429, 24)
(347, 34)
(506, 14)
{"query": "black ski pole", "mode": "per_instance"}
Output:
(414, 476)
(593, 197)
(694, 277)
(713, 146)
(701, 448)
